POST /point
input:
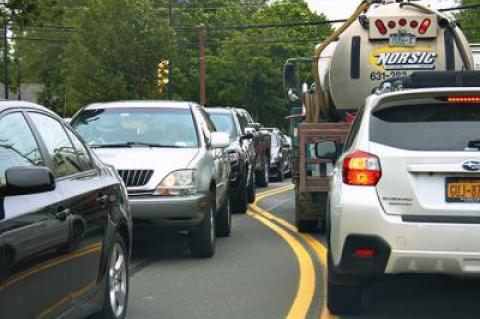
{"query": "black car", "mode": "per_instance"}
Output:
(65, 224)
(241, 154)
(281, 155)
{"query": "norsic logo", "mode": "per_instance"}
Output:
(388, 59)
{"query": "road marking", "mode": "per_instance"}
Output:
(317, 246)
(306, 282)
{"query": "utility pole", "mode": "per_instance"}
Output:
(19, 78)
(202, 32)
(170, 73)
(5, 59)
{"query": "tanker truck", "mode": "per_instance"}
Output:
(380, 41)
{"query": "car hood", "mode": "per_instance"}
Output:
(161, 160)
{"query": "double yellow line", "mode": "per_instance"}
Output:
(307, 278)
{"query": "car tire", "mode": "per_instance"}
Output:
(262, 176)
(343, 297)
(306, 226)
(240, 202)
(224, 220)
(202, 238)
(251, 190)
(117, 285)
(280, 175)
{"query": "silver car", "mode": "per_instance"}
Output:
(172, 161)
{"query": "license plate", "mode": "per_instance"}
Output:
(402, 40)
(462, 190)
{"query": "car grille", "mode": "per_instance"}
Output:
(135, 178)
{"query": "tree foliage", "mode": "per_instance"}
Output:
(110, 50)
(470, 21)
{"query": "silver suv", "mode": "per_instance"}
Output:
(172, 161)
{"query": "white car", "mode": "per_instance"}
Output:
(405, 192)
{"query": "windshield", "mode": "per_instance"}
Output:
(160, 127)
(224, 123)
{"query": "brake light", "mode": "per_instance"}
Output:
(381, 27)
(364, 253)
(402, 22)
(464, 99)
(392, 24)
(361, 169)
(425, 25)
(414, 24)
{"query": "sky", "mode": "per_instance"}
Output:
(341, 9)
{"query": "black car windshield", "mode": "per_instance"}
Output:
(224, 123)
(139, 127)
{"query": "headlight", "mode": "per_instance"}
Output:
(178, 183)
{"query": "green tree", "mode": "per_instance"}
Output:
(115, 51)
(248, 68)
(470, 21)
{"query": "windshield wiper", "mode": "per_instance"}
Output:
(151, 145)
(132, 144)
(110, 145)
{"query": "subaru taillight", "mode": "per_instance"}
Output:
(361, 169)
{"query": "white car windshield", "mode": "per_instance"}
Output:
(224, 123)
(149, 127)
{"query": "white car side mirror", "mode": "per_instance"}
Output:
(250, 130)
(219, 140)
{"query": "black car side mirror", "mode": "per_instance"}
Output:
(326, 150)
(28, 180)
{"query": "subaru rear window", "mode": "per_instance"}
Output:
(427, 127)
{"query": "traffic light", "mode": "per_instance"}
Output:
(162, 75)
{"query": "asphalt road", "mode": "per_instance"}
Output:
(267, 270)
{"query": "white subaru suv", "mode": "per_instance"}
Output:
(405, 192)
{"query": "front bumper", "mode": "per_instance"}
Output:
(408, 247)
(181, 211)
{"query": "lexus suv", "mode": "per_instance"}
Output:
(65, 223)
(172, 161)
(405, 192)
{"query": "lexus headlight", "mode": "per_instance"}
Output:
(178, 183)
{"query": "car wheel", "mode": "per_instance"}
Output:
(252, 190)
(202, 238)
(116, 297)
(280, 175)
(262, 176)
(343, 297)
(240, 202)
(306, 226)
(224, 220)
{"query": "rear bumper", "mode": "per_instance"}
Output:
(412, 247)
(171, 211)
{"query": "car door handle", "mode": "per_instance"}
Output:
(102, 199)
(62, 213)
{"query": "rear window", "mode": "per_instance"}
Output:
(428, 127)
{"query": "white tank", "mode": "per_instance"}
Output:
(390, 41)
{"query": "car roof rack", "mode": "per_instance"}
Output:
(436, 79)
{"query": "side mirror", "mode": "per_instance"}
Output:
(250, 131)
(219, 140)
(326, 150)
(289, 76)
(28, 180)
(248, 136)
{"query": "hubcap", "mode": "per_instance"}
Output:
(118, 280)
(212, 226)
(266, 172)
